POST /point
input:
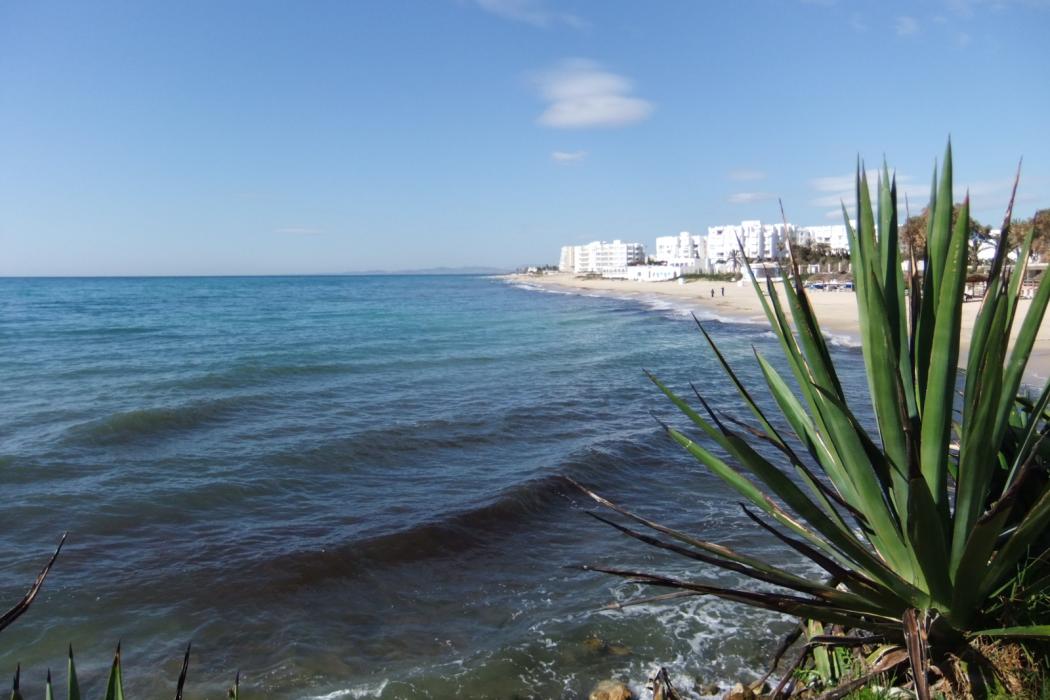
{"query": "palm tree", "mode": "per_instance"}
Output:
(735, 259)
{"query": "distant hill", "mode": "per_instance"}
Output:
(438, 271)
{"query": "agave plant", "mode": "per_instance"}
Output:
(919, 520)
(115, 682)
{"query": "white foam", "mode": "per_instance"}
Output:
(668, 305)
(538, 288)
(842, 340)
(365, 690)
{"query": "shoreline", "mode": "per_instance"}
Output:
(836, 311)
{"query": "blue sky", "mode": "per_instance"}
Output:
(276, 137)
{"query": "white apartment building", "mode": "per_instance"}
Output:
(768, 241)
(598, 256)
(567, 261)
(834, 237)
(685, 252)
(760, 242)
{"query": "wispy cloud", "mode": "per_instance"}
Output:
(834, 190)
(568, 156)
(583, 94)
(856, 21)
(831, 192)
(746, 175)
(750, 197)
(836, 214)
(534, 12)
(298, 231)
(906, 25)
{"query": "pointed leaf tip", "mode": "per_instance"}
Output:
(657, 419)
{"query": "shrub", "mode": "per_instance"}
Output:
(919, 527)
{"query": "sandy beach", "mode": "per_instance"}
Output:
(836, 310)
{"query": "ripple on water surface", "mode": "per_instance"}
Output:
(356, 486)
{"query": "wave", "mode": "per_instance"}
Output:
(672, 306)
(842, 340)
(365, 690)
(254, 374)
(131, 426)
(506, 513)
(391, 444)
(545, 288)
(444, 536)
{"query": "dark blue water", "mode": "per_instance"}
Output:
(351, 487)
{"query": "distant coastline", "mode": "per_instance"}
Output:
(837, 310)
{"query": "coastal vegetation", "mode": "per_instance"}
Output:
(928, 525)
(114, 683)
(713, 276)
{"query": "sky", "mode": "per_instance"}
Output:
(261, 137)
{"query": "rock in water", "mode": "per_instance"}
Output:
(595, 644)
(610, 690)
(709, 689)
(750, 691)
(739, 692)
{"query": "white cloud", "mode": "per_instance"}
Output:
(582, 94)
(834, 190)
(750, 197)
(858, 23)
(568, 156)
(746, 175)
(533, 12)
(906, 25)
(298, 231)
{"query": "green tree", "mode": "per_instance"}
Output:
(913, 234)
(1041, 239)
(734, 259)
(1039, 225)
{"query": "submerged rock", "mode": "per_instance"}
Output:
(610, 690)
(597, 645)
(706, 689)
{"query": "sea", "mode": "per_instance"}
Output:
(355, 487)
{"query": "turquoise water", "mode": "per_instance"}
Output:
(352, 486)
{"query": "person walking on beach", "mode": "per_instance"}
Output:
(712, 292)
(723, 291)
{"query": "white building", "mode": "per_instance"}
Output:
(767, 241)
(685, 252)
(567, 261)
(598, 256)
(760, 242)
(834, 237)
